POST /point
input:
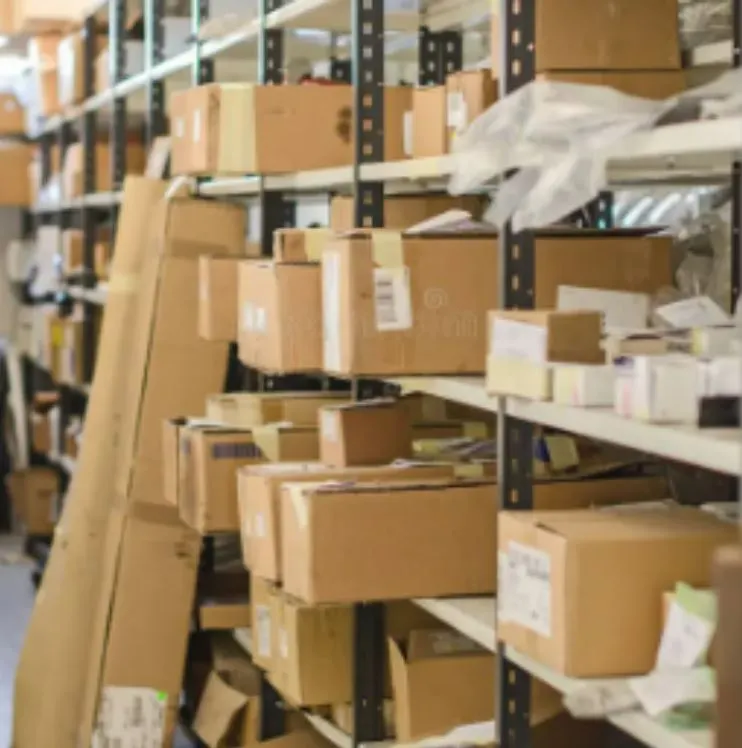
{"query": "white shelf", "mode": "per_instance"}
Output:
(465, 390)
(635, 723)
(474, 617)
(713, 449)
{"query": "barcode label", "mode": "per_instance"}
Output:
(263, 620)
(130, 718)
(392, 299)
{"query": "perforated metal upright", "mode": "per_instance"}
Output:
(439, 55)
(154, 11)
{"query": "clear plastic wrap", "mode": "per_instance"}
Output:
(704, 21)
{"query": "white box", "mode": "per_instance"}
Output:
(584, 386)
(665, 389)
(620, 309)
(720, 377)
(715, 341)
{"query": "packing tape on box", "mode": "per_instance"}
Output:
(469, 470)
(315, 241)
(387, 249)
(123, 283)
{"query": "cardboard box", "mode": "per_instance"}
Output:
(587, 35)
(151, 614)
(210, 457)
(524, 345)
(441, 113)
(45, 16)
(214, 141)
(171, 428)
(34, 492)
(180, 132)
(343, 717)
(402, 211)
(300, 245)
(158, 159)
(72, 251)
(313, 666)
(584, 386)
(225, 615)
(442, 519)
(259, 491)
(626, 559)
(264, 637)
(15, 187)
(727, 646)
(374, 432)
(441, 680)
(71, 67)
(12, 116)
(74, 166)
(72, 369)
(392, 305)
(41, 435)
(102, 256)
(280, 316)
(647, 84)
(217, 303)
(249, 409)
(43, 56)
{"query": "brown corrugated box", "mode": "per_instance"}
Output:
(600, 35)
(442, 519)
(607, 569)
(441, 680)
(171, 457)
(259, 490)
(34, 493)
(402, 211)
(41, 435)
(210, 457)
(217, 299)
(280, 316)
(373, 432)
(417, 304)
(12, 116)
(249, 409)
(74, 167)
(727, 652)
(15, 186)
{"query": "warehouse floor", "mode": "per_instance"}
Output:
(16, 601)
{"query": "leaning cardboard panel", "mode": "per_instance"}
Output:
(57, 648)
(173, 371)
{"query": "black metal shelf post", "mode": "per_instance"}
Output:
(154, 11)
(203, 70)
(439, 55)
(117, 35)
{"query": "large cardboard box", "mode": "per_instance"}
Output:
(64, 637)
(42, 16)
(600, 35)
(210, 457)
(259, 492)
(441, 519)
(280, 316)
(217, 303)
(525, 346)
(728, 646)
(606, 568)
(15, 186)
(249, 409)
(264, 639)
(151, 614)
(34, 493)
(441, 680)
(417, 304)
(224, 601)
(71, 67)
(243, 128)
(403, 211)
(374, 432)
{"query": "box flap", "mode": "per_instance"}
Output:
(220, 704)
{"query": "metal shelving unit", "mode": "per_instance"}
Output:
(687, 153)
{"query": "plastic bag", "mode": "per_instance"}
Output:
(704, 21)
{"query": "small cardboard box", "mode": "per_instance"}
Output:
(313, 666)
(584, 386)
(34, 492)
(374, 432)
(259, 490)
(600, 35)
(72, 251)
(217, 298)
(15, 187)
(41, 435)
(525, 344)
(626, 559)
(441, 680)
(299, 245)
(280, 316)
(248, 409)
(12, 115)
(392, 304)
(71, 67)
(74, 167)
(210, 457)
(442, 519)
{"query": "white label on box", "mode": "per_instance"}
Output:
(260, 525)
(392, 299)
(407, 125)
(331, 310)
(457, 115)
(620, 309)
(263, 622)
(130, 718)
(283, 643)
(179, 127)
(248, 317)
(261, 319)
(197, 126)
(511, 339)
(700, 311)
(529, 585)
(329, 425)
(685, 640)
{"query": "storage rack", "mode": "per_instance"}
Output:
(688, 153)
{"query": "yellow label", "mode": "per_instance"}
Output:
(387, 249)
